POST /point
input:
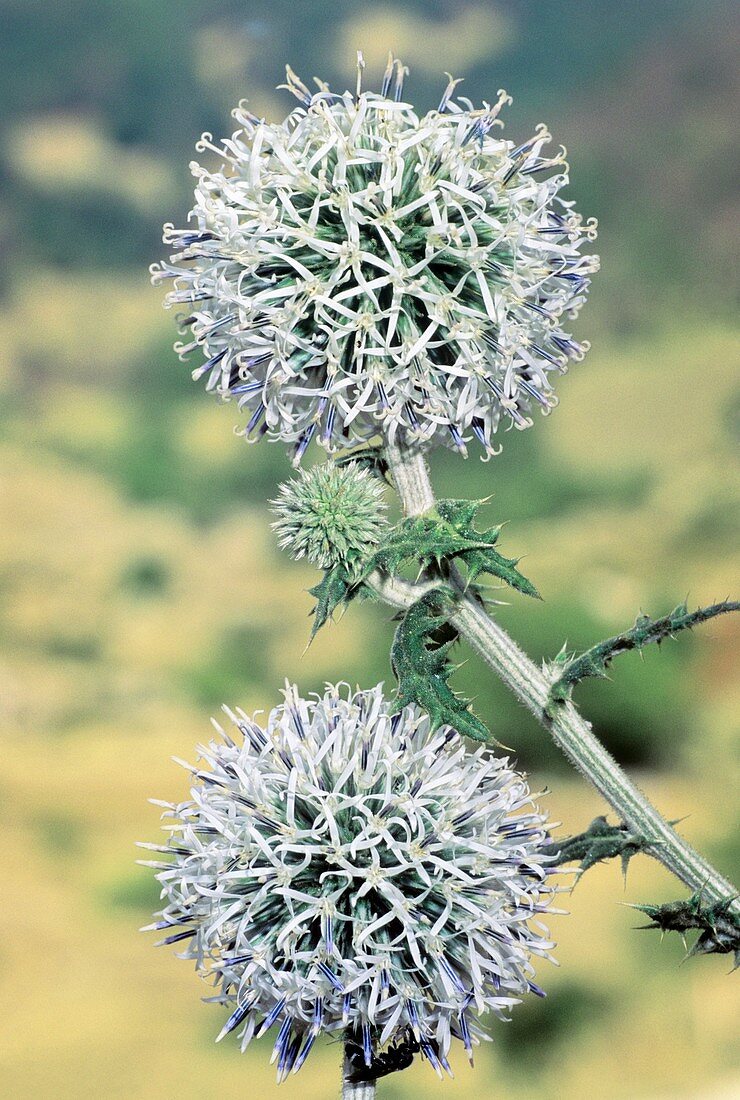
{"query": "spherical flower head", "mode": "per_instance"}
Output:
(332, 515)
(342, 868)
(357, 270)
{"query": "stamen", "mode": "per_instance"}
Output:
(387, 76)
(451, 85)
(360, 70)
(401, 73)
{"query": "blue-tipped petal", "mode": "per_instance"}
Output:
(188, 934)
(466, 1036)
(329, 973)
(236, 1017)
(236, 960)
(305, 1051)
(287, 1062)
(271, 1017)
(282, 1041)
(367, 1046)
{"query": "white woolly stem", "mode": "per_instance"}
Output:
(355, 1090)
(529, 683)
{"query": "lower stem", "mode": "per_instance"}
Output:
(355, 1090)
(569, 730)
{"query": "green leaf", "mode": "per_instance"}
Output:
(425, 540)
(718, 924)
(600, 841)
(446, 535)
(460, 514)
(336, 587)
(420, 664)
(595, 661)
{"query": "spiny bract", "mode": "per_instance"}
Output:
(332, 515)
(357, 269)
(341, 868)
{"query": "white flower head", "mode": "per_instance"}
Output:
(340, 868)
(357, 269)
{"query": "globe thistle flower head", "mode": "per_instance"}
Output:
(340, 868)
(332, 515)
(358, 269)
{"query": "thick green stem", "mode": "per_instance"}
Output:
(531, 686)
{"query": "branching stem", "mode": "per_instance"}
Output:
(531, 685)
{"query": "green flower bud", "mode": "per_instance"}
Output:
(330, 514)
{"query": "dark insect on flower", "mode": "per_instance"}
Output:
(399, 1055)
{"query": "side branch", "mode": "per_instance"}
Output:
(532, 687)
(646, 631)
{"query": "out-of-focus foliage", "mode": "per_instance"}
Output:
(140, 585)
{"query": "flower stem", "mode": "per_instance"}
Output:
(355, 1090)
(530, 684)
(411, 478)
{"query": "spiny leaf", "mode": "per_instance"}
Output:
(718, 924)
(600, 841)
(420, 664)
(461, 514)
(335, 588)
(448, 534)
(425, 540)
(595, 661)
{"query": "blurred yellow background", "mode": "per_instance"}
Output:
(140, 586)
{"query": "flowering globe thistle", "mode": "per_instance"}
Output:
(332, 515)
(340, 868)
(358, 269)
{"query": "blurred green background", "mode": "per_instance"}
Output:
(140, 585)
